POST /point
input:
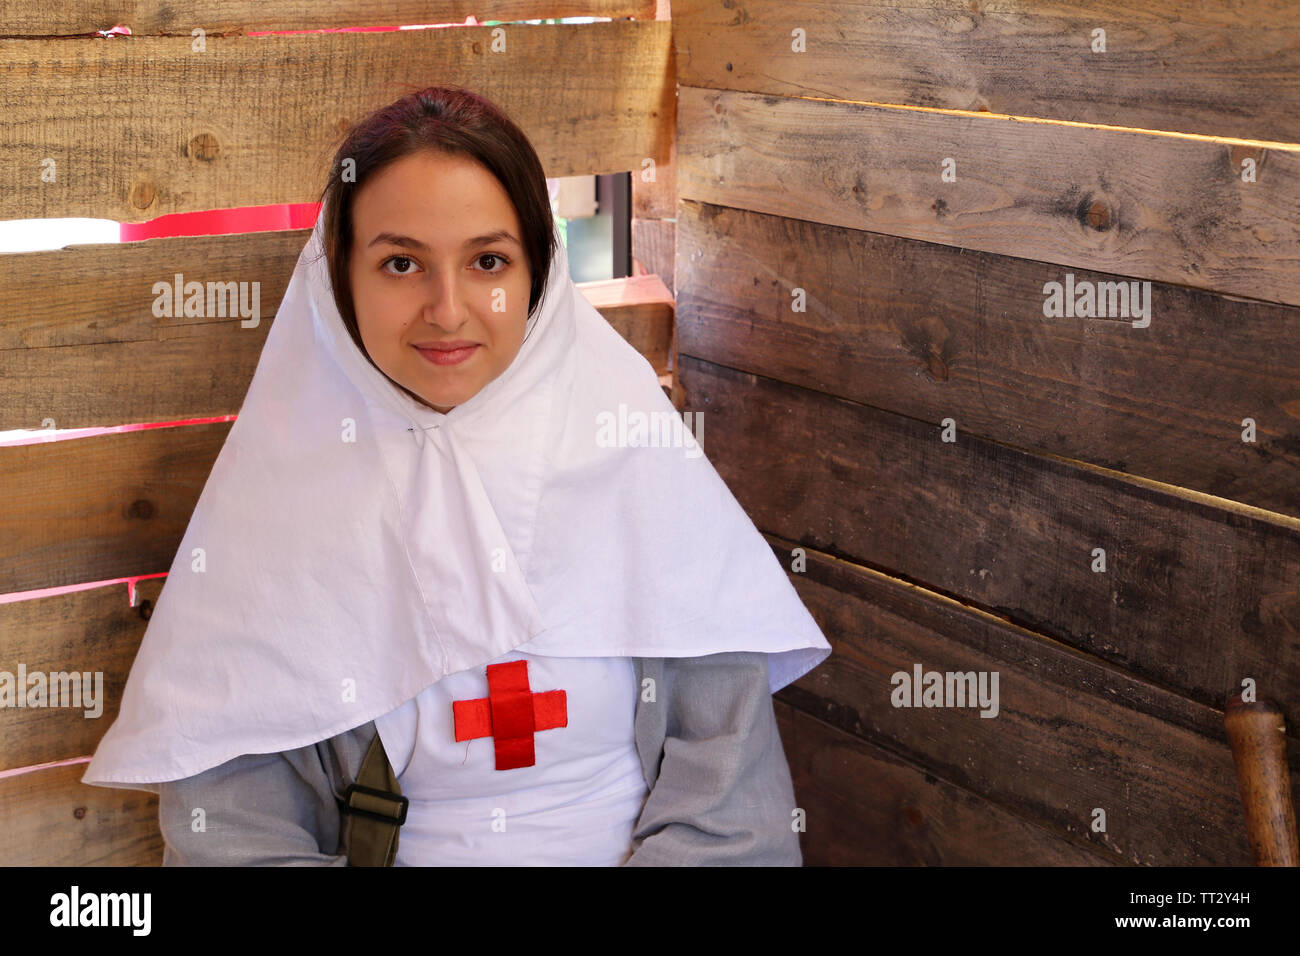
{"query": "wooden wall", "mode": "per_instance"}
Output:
(812, 141)
(146, 125)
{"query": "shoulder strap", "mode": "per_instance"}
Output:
(374, 809)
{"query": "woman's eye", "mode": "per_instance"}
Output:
(493, 255)
(405, 259)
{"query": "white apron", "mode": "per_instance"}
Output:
(575, 805)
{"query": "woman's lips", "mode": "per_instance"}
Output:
(447, 356)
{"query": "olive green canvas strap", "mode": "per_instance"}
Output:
(374, 808)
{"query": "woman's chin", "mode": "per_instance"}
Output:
(443, 402)
(444, 396)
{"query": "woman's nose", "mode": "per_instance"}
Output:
(444, 304)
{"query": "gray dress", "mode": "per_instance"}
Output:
(720, 787)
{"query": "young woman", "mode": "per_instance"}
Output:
(457, 521)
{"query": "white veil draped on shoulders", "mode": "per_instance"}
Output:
(352, 546)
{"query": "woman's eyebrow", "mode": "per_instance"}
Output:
(407, 242)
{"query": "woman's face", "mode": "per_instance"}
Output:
(428, 271)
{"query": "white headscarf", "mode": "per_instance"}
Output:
(357, 546)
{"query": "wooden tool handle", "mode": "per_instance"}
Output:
(1256, 733)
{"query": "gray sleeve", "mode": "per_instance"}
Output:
(723, 794)
(273, 809)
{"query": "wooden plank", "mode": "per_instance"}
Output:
(86, 631)
(654, 181)
(52, 819)
(155, 17)
(94, 509)
(1212, 68)
(82, 317)
(1070, 733)
(654, 245)
(1195, 597)
(866, 807)
(1158, 207)
(175, 130)
(1166, 401)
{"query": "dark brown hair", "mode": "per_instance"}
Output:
(451, 121)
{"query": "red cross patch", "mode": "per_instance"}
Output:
(510, 714)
